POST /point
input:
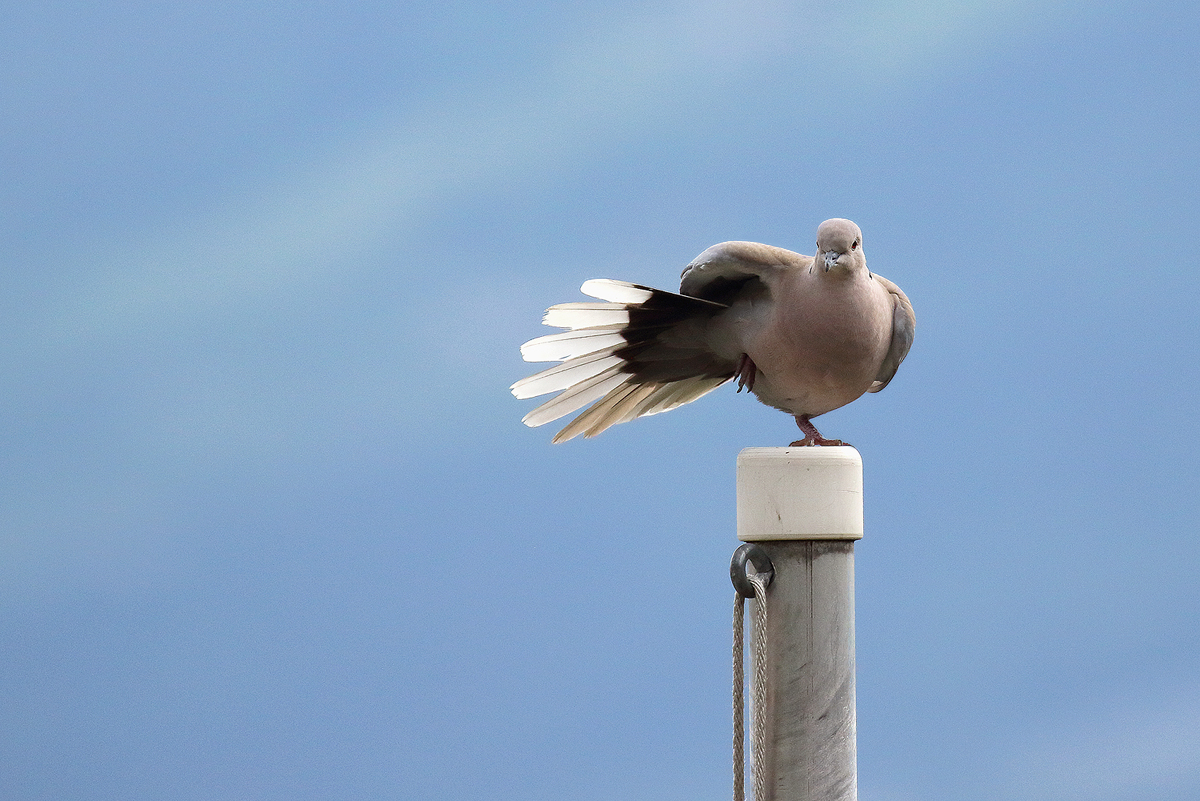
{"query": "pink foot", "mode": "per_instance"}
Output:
(811, 435)
(745, 373)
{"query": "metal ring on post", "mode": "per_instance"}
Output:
(755, 555)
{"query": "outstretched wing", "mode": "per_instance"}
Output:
(640, 352)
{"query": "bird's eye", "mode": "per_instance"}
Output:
(854, 245)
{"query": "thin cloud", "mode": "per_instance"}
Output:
(637, 73)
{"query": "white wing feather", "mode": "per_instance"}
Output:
(565, 375)
(575, 398)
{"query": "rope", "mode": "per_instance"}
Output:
(758, 691)
(739, 700)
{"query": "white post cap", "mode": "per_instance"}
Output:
(804, 493)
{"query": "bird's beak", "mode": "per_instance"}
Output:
(831, 259)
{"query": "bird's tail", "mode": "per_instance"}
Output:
(629, 356)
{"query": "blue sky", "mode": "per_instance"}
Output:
(271, 527)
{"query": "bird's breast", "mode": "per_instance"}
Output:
(822, 343)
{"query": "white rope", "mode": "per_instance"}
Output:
(739, 700)
(758, 691)
(758, 687)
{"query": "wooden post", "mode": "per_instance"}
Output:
(803, 506)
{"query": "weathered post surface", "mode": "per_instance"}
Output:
(804, 507)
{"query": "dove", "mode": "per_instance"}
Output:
(804, 334)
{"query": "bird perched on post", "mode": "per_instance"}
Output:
(805, 334)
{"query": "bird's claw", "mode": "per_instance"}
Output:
(813, 441)
(745, 373)
(811, 435)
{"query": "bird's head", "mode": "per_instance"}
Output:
(839, 246)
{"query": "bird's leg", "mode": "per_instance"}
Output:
(745, 373)
(811, 435)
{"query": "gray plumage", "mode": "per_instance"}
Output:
(805, 334)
